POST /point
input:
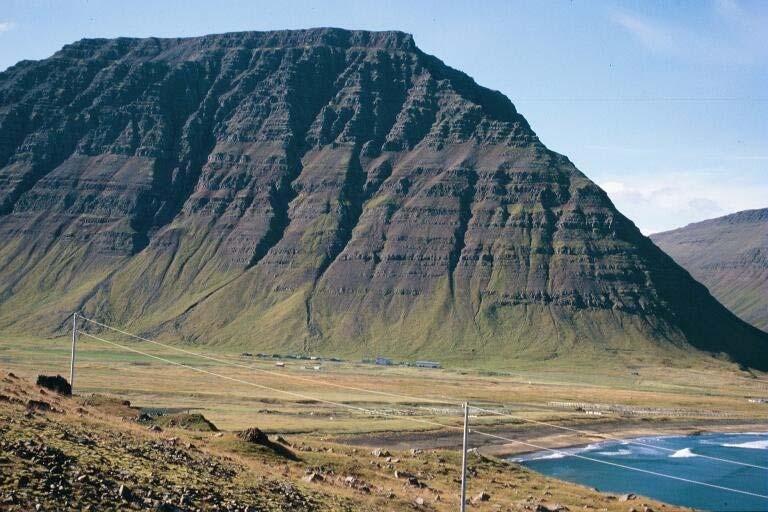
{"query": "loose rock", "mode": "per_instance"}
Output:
(483, 496)
(313, 477)
(253, 435)
(57, 384)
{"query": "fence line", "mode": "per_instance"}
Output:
(421, 421)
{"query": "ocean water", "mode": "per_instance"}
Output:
(672, 455)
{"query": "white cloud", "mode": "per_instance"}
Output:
(737, 38)
(752, 19)
(662, 202)
(613, 187)
(704, 206)
(5, 26)
(729, 8)
(733, 156)
(650, 34)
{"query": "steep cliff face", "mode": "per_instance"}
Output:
(730, 256)
(319, 190)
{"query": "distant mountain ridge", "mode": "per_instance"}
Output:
(326, 191)
(730, 256)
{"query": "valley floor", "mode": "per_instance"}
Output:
(332, 420)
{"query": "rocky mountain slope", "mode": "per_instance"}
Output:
(322, 191)
(730, 256)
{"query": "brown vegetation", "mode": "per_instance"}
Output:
(78, 455)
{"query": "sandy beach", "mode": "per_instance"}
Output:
(551, 437)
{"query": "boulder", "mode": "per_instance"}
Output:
(57, 384)
(415, 482)
(313, 477)
(551, 507)
(123, 492)
(38, 405)
(254, 435)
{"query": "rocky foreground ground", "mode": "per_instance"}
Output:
(99, 453)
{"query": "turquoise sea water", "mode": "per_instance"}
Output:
(679, 459)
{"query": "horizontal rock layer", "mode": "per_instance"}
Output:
(730, 256)
(319, 190)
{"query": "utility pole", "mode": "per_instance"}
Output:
(72, 359)
(464, 459)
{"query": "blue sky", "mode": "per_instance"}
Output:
(664, 104)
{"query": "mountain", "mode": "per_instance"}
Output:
(730, 256)
(320, 191)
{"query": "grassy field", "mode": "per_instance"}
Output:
(700, 395)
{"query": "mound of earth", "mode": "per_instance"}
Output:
(253, 435)
(187, 421)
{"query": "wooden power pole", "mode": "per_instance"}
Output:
(72, 359)
(464, 459)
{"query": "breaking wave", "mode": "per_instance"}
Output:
(616, 453)
(752, 445)
(546, 456)
(689, 457)
(682, 454)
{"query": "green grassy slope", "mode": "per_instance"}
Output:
(730, 256)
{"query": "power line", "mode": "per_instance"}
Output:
(623, 466)
(418, 420)
(276, 374)
(171, 347)
(260, 386)
(410, 397)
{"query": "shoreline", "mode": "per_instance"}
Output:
(625, 439)
(550, 437)
(576, 441)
